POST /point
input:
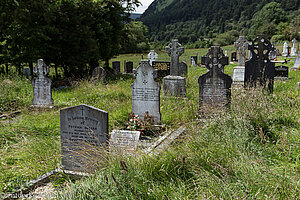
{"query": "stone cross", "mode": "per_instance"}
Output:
(214, 86)
(285, 49)
(174, 50)
(42, 94)
(241, 46)
(152, 56)
(212, 59)
(294, 49)
(259, 69)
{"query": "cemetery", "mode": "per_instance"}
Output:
(102, 110)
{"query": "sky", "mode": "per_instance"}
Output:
(144, 6)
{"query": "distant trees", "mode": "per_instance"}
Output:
(73, 34)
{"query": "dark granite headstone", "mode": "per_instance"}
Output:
(183, 69)
(259, 69)
(81, 128)
(26, 72)
(116, 67)
(282, 71)
(233, 57)
(174, 50)
(214, 86)
(163, 68)
(129, 67)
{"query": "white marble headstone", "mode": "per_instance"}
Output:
(146, 92)
(42, 93)
(294, 48)
(285, 51)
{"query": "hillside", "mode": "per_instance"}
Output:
(189, 19)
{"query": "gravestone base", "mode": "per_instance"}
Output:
(174, 86)
(238, 75)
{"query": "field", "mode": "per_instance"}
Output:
(249, 152)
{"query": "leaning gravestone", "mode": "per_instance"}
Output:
(174, 84)
(152, 56)
(281, 72)
(146, 92)
(116, 67)
(259, 69)
(42, 93)
(294, 49)
(129, 67)
(285, 51)
(214, 86)
(183, 69)
(81, 128)
(99, 75)
(124, 139)
(241, 46)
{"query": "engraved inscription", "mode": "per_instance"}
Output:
(145, 94)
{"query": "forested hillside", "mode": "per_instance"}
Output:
(187, 20)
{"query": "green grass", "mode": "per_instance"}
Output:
(251, 152)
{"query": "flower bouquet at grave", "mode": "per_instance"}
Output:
(134, 123)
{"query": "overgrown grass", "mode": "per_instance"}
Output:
(251, 150)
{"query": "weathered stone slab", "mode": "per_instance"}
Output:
(183, 69)
(152, 56)
(99, 75)
(238, 75)
(241, 46)
(42, 93)
(214, 86)
(174, 86)
(259, 69)
(162, 68)
(81, 127)
(124, 139)
(129, 67)
(296, 66)
(116, 67)
(146, 92)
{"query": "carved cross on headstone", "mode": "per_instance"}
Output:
(174, 50)
(259, 68)
(215, 57)
(241, 46)
(152, 56)
(41, 69)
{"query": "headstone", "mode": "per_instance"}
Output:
(194, 60)
(26, 72)
(146, 92)
(285, 51)
(183, 69)
(294, 48)
(241, 46)
(238, 75)
(162, 68)
(282, 72)
(116, 67)
(124, 139)
(81, 128)
(214, 86)
(233, 57)
(152, 56)
(42, 93)
(175, 85)
(259, 69)
(174, 50)
(296, 66)
(226, 54)
(129, 67)
(99, 75)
